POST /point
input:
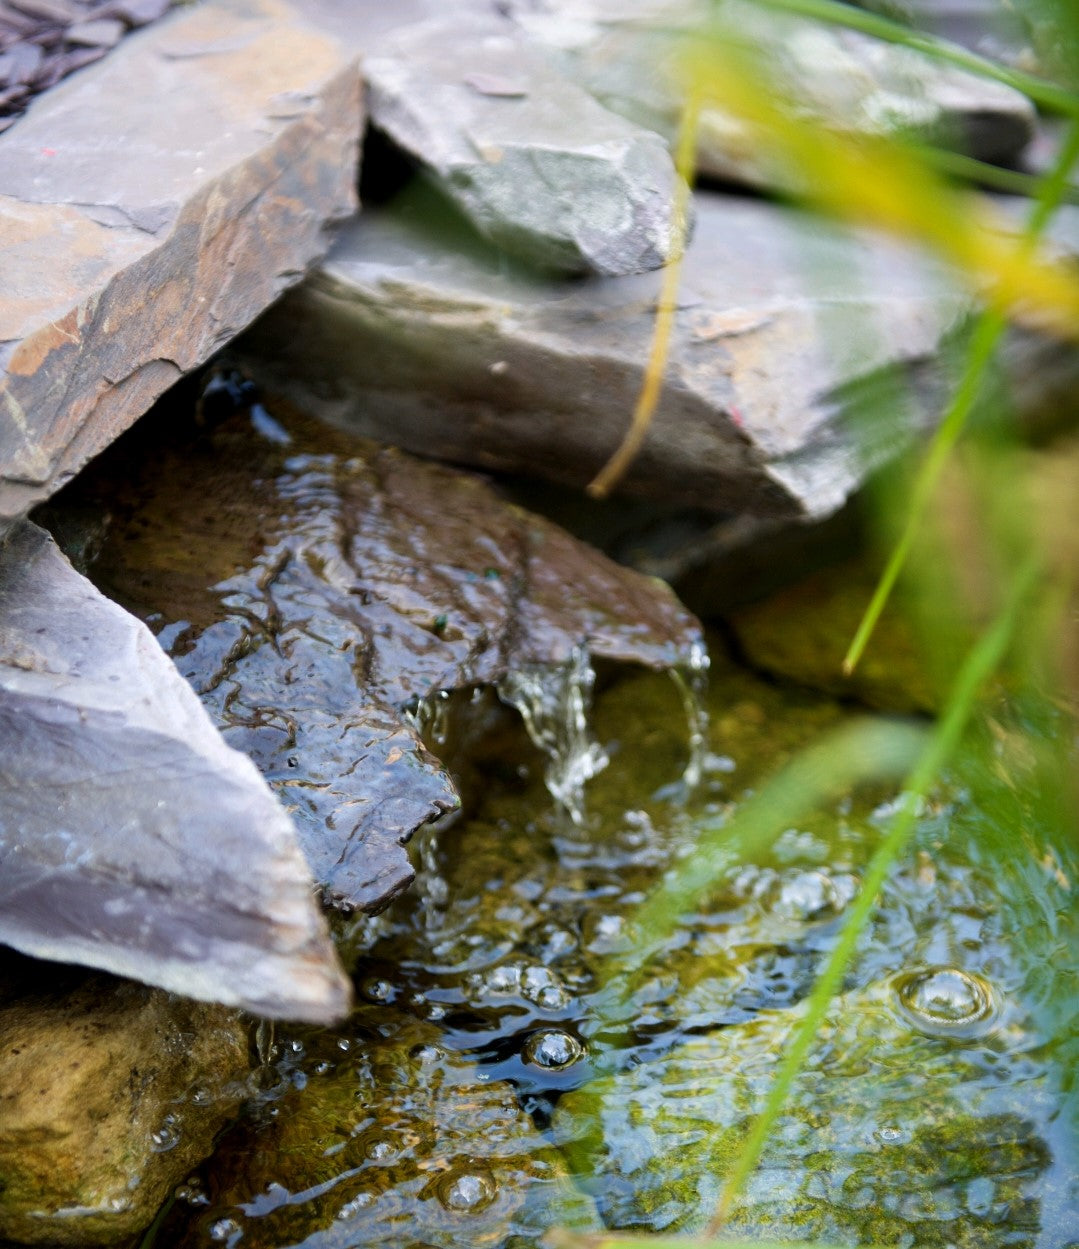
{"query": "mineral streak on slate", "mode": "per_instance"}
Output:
(131, 837)
(415, 332)
(311, 587)
(539, 166)
(136, 243)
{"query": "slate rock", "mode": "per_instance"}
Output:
(387, 1139)
(109, 1093)
(413, 332)
(537, 165)
(137, 241)
(313, 587)
(632, 63)
(131, 837)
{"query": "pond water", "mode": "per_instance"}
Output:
(481, 1093)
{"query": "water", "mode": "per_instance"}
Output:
(479, 1095)
(483, 1092)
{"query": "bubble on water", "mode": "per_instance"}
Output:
(167, 1135)
(552, 1049)
(946, 1001)
(466, 1192)
(225, 1230)
(426, 1054)
(353, 1207)
(543, 987)
(380, 1149)
(375, 989)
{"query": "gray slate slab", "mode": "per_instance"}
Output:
(412, 332)
(632, 60)
(131, 837)
(534, 161)
(150, 208)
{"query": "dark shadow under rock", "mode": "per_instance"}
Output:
(313, 587)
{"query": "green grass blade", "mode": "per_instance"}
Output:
(987, 333)
(1048, 94)
(983, 659)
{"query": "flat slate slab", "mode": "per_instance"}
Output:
(538, 165)
(135, 241)
(131, 837)
(413, 332)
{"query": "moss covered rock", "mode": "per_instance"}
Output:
(109, 1093)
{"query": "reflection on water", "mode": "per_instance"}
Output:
(475, 1097)
(479, 1095)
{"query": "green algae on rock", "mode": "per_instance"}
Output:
(381, 1136)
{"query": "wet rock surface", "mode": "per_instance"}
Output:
(380, 1136)
(321, 585)
(133, 839)
(633, 63)
(109, 1093)
(508, 371)
(536, 164)
(138, 241)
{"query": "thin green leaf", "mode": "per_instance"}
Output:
(983, 659)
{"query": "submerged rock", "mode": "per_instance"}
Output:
(382, 1137)
(109, 1093)
(633, 62)
(930, 1108)
(414, 332)
(539, 167)
(314, 587)
(131, 837)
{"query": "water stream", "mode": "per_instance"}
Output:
(482, 1093)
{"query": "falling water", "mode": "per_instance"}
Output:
(691, 678)
(554, 701)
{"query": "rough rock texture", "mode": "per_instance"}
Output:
(137, 241)
(631, 62)
(413, 332)
(312, 586)
(109, 1093)
(131, 837)
(538, 166)
(390, 1139)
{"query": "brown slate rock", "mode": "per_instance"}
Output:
(137, 242)
(314, 586)
(131, 837)
(109, 1093)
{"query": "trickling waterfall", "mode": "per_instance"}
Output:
(554, 701)
(691, 678)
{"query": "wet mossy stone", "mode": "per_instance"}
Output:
(109, 1093)
(381, 1136)
(892, 1135)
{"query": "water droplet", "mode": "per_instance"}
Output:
(466, 1192)
(946, 1001)
(552, 1049)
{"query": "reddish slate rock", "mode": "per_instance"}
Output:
(131, 837)
(137, 241)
